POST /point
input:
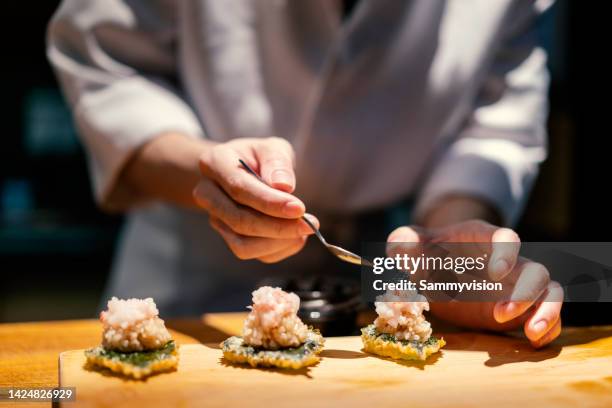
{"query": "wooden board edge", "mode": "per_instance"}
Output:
(59, 377)
(59, 366)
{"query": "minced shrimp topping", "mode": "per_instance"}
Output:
(133, 325)
(401, 313)
(273, 322)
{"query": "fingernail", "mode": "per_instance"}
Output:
(293, 209)
(281, 177)
(540, 326)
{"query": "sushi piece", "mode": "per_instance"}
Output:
(135, 341)
(273, 334)
(400, 331)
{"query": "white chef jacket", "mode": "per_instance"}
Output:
(419, 98)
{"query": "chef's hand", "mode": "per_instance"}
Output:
(257, 221)
(541, 299)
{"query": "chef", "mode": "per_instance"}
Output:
(365, 116)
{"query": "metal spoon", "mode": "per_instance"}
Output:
(343, 254)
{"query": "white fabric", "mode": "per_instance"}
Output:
(420, 97)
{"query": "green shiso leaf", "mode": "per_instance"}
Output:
(137, 358)
(236, 344)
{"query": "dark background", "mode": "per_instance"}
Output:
(56, 247)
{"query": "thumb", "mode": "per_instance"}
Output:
(276, 159)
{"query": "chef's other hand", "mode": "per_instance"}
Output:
(540, 316)
(257, 221)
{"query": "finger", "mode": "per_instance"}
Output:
(404, 240)
(246, 221)
(505, 245)
(504, 312)
(224, 167)
(546, 314)
(251, 247)
(276, 158)
(552, 334)
(245, 247)
(285, 253)
(404, 234)
(502, 243)
(532, 281)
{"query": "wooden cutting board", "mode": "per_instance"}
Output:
(473, 370)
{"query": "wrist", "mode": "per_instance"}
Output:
(166, 168)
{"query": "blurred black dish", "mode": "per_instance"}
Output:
(328, 304)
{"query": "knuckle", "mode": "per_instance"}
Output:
(280, 228)
(238, 220)
(270, 207)
(218, 149)
(207, 160)
(230, 217)
(203, 165)
(204, 197)
(301, 243)
(222, 212)
(281, 145)
(237, 245)
(203, 158)
(245, 223)
(275, 140)
(295, 247)
(212, 221)
(556, 291)
(235, 185)
(541, 272)
(267, 260)
(479, 224)
(240, 249)
(558, 327)
(277, 161)
(200, 198)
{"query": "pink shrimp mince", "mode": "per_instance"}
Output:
(133, 325)
(273, 322)
(401, 313)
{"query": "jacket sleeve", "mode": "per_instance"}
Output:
(116, 65)
(496, 154)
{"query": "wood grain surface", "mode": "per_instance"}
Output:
(474, 370)
(29, 351)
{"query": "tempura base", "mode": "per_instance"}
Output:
(236, 351)
(386, 345)
(137, 365)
